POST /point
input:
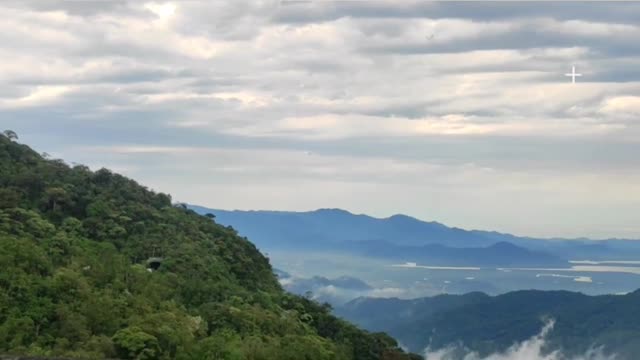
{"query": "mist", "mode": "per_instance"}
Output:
(530, 349)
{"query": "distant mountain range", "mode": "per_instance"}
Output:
(485, 324)
(401, 237)
(329, 225)
(499, 254)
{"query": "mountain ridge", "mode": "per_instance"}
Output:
(95, 265)
(486, 232)
(398, 238)
(269, 228)
(476, 322)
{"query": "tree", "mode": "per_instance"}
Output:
(73, 280)
(133, 343)
(55, 196)
(9, 197)
(10, 134)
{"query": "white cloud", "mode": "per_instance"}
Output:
(340, 126)
(444, 104)
(388, 292)
(38, 96)
(530, 349)
(629, 105)
(163, 11)
(590, 28)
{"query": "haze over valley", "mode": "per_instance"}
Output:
(404, 257)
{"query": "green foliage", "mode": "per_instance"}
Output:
(74, 246)
(133, 343)
(10, 134)
(487, 325)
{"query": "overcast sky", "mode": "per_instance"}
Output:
(454, 112)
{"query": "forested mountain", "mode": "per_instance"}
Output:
(392, 313)
(485, 324)
(93, 265)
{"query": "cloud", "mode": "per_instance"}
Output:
(621, 105)
(437, 108)
(534, 348)
(39, 96)
(318, 11)
(389, 292)
(331, 291)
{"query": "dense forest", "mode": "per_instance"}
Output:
(488, 324)
(94, 265)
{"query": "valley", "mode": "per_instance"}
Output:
(456, 294)
(408, 258)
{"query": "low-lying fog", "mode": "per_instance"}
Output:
(531, 349)
(411, 280)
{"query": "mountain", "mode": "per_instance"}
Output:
(379, 313)
(484, 324)
(281, 227)
(94, 265)
(399, 238)
(327, 228)
(499, 254)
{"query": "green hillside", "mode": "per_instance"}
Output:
(93, 265)
(486, 324)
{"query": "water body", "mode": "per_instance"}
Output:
(578, 266)
(589, 277)
(606, 262)
(585, 268)
(414, 265)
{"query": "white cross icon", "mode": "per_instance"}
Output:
(573, 74)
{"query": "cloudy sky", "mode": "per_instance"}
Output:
(454, 112)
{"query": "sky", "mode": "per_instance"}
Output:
(458, 112)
